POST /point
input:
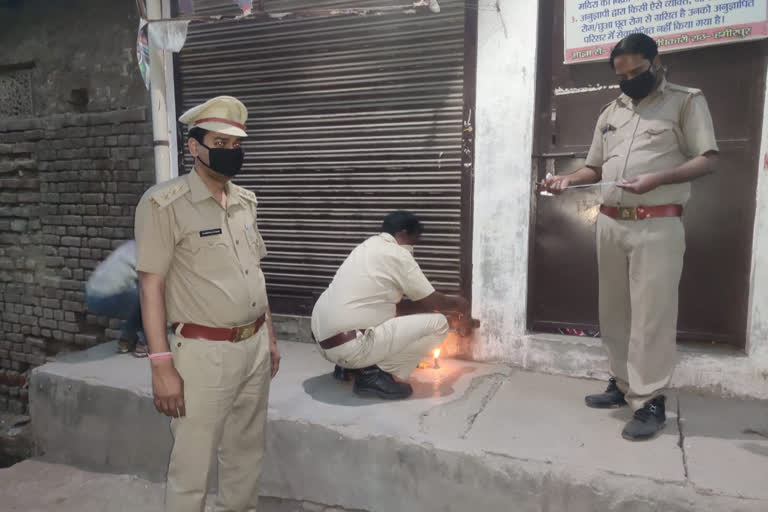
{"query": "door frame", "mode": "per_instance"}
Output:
(468, 147)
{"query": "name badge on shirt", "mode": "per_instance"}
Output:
(210, 232)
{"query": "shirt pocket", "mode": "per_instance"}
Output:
(616, 132)
(659, 136)
(255, 241)
(212, 251)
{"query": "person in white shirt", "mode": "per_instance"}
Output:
(113, 290)
(361, 321)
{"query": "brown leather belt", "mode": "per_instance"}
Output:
(231, 334)
(339, 339)
(642, 212)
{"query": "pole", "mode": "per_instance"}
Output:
(170, 100)
(157, 88)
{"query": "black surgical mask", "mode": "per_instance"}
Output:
(224, 161)
(639, 87)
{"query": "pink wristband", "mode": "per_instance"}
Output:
(160, 356)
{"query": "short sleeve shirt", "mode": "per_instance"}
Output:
(367, 287)
(116, 274)
(661, 132)
(210, 255)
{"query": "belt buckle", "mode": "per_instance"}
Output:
(627, 213)
(245, 332)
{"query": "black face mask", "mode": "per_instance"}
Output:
(224, 161)
(639, 87)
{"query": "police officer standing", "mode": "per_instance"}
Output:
(199, 253)
(649, 144)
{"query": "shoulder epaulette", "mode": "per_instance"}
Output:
(166, 193)
(685, 90)
(604, 107)
(245, 193)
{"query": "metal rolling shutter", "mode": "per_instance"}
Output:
(349, 118)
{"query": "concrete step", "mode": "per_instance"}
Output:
(701, 368)
(37, 486)
(474, 437)
(15, 439)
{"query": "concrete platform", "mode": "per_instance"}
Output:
(701, 367)
(474, 437)
(37, 486)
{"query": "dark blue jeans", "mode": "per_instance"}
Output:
(124, 306)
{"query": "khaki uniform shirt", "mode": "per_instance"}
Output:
(661, 132)
(210, 256)
(367, 287)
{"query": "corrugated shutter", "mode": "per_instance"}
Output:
(350, 118)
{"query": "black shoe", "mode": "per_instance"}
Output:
(373, 381)
(344, 374)
(611, 398)
(648, 421)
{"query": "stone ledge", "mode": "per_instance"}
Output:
(473, 437)
(714, 370)
(15, 439)
(717, 371)
(40, 486)
(294, 328)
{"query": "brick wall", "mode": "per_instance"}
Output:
(68, 188)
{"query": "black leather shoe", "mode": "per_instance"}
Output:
(648, 421)
(611, 398)
(373, 381)
(344, 374)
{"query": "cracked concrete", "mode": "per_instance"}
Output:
(473, 437)
(722, 450)
(545, 419)
(494, 388)
(469, 406)
(681, 442)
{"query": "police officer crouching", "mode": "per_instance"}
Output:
(361, 322)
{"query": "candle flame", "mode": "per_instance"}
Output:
(436, 353)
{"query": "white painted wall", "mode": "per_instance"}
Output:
(757, 342)
(506, 73)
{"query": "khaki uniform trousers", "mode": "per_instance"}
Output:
(639, 264)
(396, 346)
(225, 389)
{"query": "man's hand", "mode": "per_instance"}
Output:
(466, 326)
(584, 176)
(556, 184)
(463, 324)
(274, 356)
(168, 389)
(642, 184)
(274, 352)
(167, 384)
